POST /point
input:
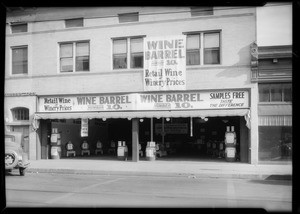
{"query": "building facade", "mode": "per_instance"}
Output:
(66, 65)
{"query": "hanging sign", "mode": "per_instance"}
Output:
(84, 127)
(165, 63)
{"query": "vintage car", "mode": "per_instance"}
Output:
(15, 157)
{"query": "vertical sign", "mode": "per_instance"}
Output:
(165, 63)
(84, 127)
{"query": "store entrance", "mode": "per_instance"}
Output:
(193, 138)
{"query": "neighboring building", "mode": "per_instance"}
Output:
(68, 64)
(272, 70)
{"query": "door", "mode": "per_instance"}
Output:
(25, 131)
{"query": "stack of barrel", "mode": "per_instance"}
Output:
(230, 144)
(150, 151)
(122, 151)
(55, 144)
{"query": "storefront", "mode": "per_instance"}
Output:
(184, 121)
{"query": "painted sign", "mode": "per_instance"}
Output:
(193, 100)
(86, 103)
(84, 127)
(165, 63)
(227, 99)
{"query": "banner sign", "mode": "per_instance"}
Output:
(193, 100)
(227, 99)
(86, 103)
(84, 127)
(165, 63)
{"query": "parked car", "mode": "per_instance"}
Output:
(15, 157)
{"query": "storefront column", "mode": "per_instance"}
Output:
(135, 139)
(254, 126)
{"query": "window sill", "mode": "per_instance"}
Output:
(275, 103)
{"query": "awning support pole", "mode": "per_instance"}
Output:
(151, 128)
(135, 139)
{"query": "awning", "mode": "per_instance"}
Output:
(280, 109)
(143, 114)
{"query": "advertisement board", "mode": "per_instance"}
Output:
(227, 99)
(165, 63)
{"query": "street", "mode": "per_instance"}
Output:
(98, 191)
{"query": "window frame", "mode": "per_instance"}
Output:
(128, 52)
(21, 112)
(81, 19)
(125, 17)
(202, 48)
(12, 48)
(18, 24)
(74, 56)
(282, 84)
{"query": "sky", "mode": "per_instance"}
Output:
(274, 24)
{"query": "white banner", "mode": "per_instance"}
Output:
(227, 99)
(165, 63)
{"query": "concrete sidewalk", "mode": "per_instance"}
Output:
(196, 169)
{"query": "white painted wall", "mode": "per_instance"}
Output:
(274, 24)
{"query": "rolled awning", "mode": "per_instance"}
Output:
(142, 114)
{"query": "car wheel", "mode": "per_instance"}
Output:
(11, 159)
(22, 171)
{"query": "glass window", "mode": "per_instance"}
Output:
(287, 92)
(19, 60)
(74, 22)
(201, 11)
(275, 92)
(203, 44)
(128, 17)
(120, 54)
(135, 56)
(66, 57)
(275, 143)
(264, 93)
(19, 28)
(81, 56)
(20, 114)
(136, 49)
(211, 48)
(193, 50)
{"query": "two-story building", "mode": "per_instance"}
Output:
(64, 66)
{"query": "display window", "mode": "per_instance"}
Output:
(275, 143)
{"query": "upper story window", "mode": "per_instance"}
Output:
(128, 17)
(20, 114)
(203, 48)
(275, 92)
(75, 56)
(74, 22)
(20, 60)
(19, 28)
(128, 50)
(201, 11)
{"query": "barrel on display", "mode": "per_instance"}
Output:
(230, 154)
(150, 151)
(55, 152)
(122, 150)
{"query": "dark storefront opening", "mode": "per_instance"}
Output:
(184, 142)
(184, 139)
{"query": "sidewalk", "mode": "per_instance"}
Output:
(196, 169)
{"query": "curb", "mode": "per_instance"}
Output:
(162, 174)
